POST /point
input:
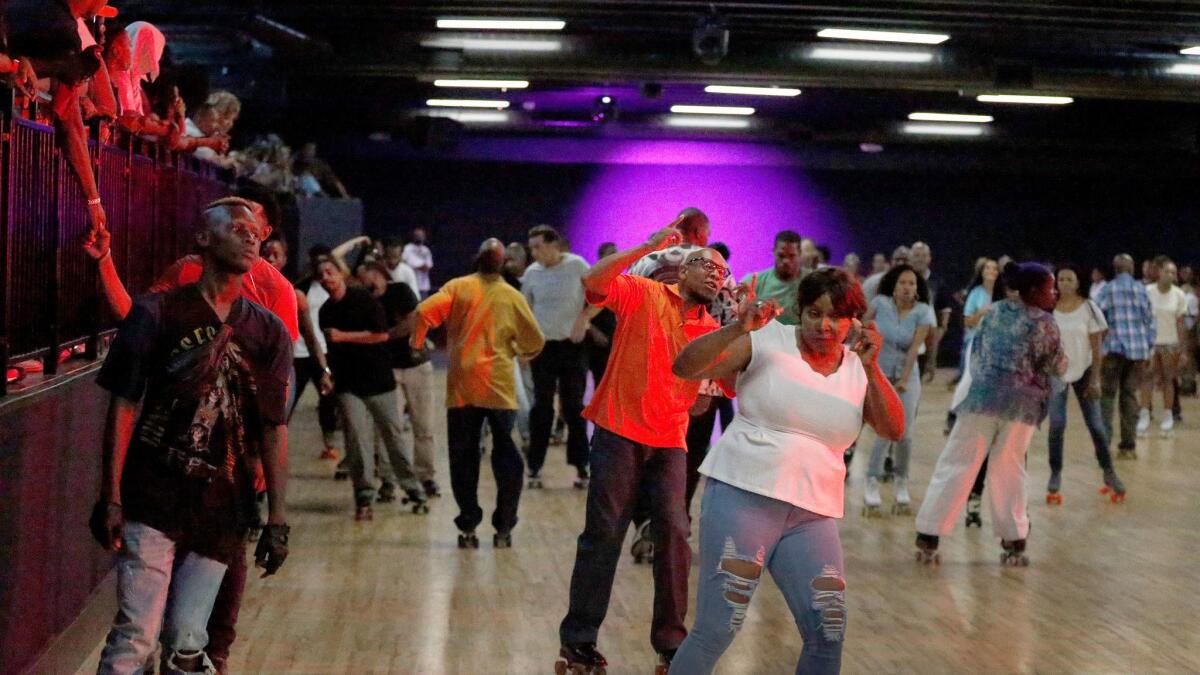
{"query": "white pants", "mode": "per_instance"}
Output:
(974, 437)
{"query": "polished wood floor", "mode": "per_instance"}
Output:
(1111, 589)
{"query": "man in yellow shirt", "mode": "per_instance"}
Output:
(488, 323)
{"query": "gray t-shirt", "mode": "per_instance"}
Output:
(556, 294)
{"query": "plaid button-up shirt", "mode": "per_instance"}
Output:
(1130, 318)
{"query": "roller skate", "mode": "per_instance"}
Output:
(847, 457)
(1052, 494)
(1167, 428)
(343, 469)
(871, 499)
(386, 494)
(927, 553)
(580, 658)
(535, 482)
(902, 506)
(888, 468)
(431, 489)
(1014, 553)
(468, 540)
(581, 481)
(1143, 423)
(415, 500)
(1113, 487)
(1127, 451)
(974, 502)
(502, 540)
(642, 548)
(364, 513)
(664, 662)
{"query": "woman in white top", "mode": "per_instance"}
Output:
(1170, 310)
(1081, 325)
(775, 478)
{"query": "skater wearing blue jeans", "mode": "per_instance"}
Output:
(775, 478)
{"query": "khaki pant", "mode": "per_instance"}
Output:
(414, 387)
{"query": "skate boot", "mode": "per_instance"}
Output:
(888, 468)
(642, 548)
(502, 540)
(1143, 423)
(431, 489)
(1014, 553)
(1113, 487)
(1052, 487)
(343, 469)
(468, 540)
(664, 662)
(535, 481)
(415, 500)
(580, 658)
(927, 553)
(581, 481)
(1127, 451)
(847, 457)
(387, 493)
(871, 499)
(1167, 428)
(902, 506)
(974, 502)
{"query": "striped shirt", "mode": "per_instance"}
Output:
(1127, 310)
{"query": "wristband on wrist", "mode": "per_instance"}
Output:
(94, 202)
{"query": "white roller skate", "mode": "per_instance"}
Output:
(871, 499)
(1143, 423)
(1167, 428)
(902, 506)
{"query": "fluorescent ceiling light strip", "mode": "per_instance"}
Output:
(949, 117)
(707, 122)
(1185, 69)
(944, 129)
(883, 36)
(490, 45)
(851, 54)
(465, 103)
(711, 110)
(1190, 51)
(1019, 98)
(471, 116)
(501, 24)
(482, 84)
(751, 91)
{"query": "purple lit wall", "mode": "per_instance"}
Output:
(747, 205)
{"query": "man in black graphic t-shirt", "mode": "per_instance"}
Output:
(211, 370)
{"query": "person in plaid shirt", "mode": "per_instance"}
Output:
(1127, 349)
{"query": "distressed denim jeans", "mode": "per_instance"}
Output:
(159, 587)
(741, 533)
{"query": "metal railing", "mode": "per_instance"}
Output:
(50, 299)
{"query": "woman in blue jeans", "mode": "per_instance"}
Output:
(1082, 326)
(775, 478)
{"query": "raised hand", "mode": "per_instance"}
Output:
(668, 236)
(753, 313)
(867, 342)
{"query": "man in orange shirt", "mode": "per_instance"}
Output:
(640, 410)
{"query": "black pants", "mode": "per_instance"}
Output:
(621, 469)
(308, 371)
(699, 433)
(463, 431)
(561, 367)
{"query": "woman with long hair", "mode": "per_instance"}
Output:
(1081, 325)
(904, 318)
(775, 478)
(1013, 357)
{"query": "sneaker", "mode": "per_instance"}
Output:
(1168, 425)
(1143, 423)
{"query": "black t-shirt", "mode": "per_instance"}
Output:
(208, 388)
(42, 29)
(398, 302)
(362, 370)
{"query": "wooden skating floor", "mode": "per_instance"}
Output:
(1111, 589)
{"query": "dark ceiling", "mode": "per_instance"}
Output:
(300, 63)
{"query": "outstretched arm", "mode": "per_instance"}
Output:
(598, 278)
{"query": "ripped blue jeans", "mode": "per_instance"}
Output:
(741, 533)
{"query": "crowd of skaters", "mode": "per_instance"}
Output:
(221, 350)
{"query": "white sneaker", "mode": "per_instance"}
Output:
(901, 489)
(1143, 422)
(871, 496)
(1167, 427)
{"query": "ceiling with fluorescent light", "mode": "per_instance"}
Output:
(370, 65)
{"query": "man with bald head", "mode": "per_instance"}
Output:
(1128, 346)
(210, 370)
(488, 324)
(640, 410)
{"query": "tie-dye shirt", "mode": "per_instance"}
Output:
(1013, 357)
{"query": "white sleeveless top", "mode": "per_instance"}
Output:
(317, 295)
(792, 426)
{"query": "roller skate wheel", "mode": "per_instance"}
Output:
(1117, 498)
(871, 512)
(1105, 490)
(560, 667)
(534, 484)
(420, 508)
(901, 510)
(1054, 498)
